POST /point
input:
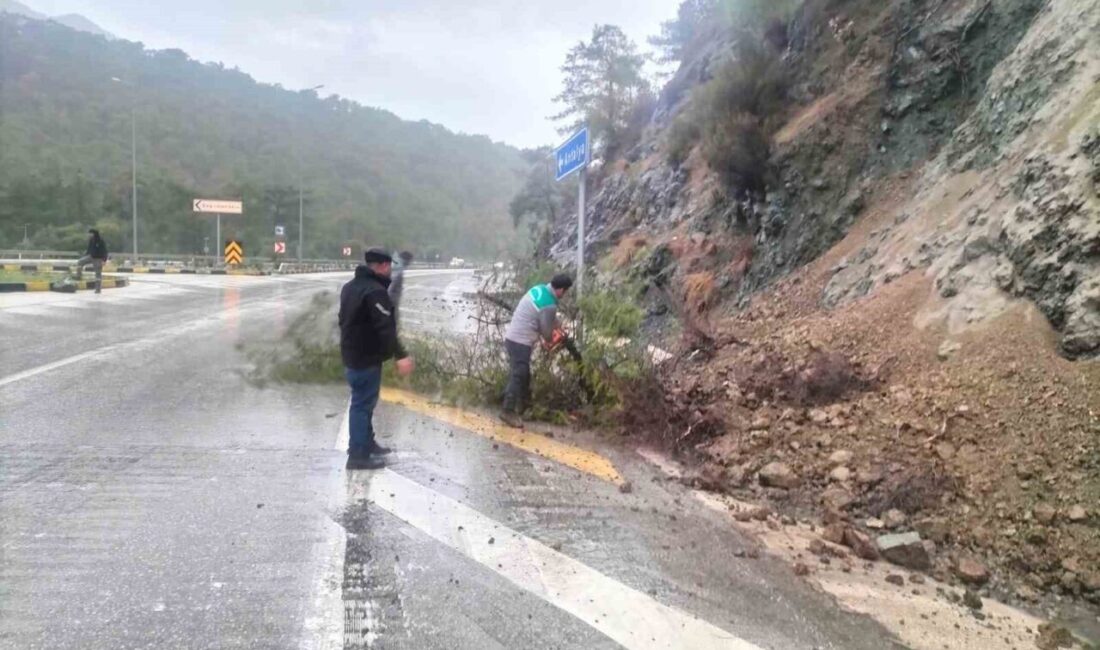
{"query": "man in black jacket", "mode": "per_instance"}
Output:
(96, 255)
(368, 337)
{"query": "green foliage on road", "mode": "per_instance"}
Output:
(205, 130)
(472, 369)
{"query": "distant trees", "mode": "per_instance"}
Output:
(541, 200)
(603, 81)
(204, 130)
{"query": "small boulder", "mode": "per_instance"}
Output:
(833, 533)
(840, 474)
(760, 423)
(837, 498)
(840, 457)
(1044, 513)
(971, 571)
(860, 544)
(1077, 514)
(945, 450)
(1052, 637)
(904, 549)
(875, 523)
(894, 518)
(972, 600)
(895, 579)
(778, 475)
(818, 416)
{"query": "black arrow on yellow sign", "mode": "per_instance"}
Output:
(234, 252)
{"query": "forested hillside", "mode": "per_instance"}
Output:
(206, 130)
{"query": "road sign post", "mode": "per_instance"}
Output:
(573, 156)
(234, 252)
(218, 207)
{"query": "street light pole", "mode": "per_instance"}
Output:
(133, 175)
(301, 221)
(133, 164)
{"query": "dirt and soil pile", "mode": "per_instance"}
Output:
(902, 330)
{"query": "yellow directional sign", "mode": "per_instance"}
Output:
(234, 252)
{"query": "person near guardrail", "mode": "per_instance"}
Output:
(534, 318)
(368, 338)
(96, 255)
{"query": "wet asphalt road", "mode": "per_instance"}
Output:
(150, 496)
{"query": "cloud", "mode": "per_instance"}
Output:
(478, 66)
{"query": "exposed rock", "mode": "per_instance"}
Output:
(1044, 513)
(760, 423)
(1077, 513)
(875, 524)
(895, 579)
(860, 544)
(945, 450)
(971, 571)
(893, 518)
(840, 457)
(904, 549)
(972, 600)
(818, 416)
(833, 533)
(778, 475)
(840, 474)
(801, 569)
(1052, 637)
(837, 498)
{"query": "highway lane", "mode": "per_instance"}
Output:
(151, 496)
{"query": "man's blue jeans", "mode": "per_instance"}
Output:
(365, 385)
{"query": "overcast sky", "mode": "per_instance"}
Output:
(478, 66)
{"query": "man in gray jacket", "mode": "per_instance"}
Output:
(535, 317)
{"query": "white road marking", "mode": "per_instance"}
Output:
(627, 616)
(324, 626)
(19, 376)
(162, 335)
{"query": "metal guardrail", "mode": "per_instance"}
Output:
(204, 261)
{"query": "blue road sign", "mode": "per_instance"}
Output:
(572, 155)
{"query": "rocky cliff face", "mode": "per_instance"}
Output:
(917, 293)
(975, 120)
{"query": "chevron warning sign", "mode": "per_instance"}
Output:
(234, 252)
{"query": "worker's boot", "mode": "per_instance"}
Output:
(511, 419)
(356, 461)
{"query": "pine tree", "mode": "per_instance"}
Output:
(603, 79)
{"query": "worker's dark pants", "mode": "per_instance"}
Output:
(365, 387)
(518, 390)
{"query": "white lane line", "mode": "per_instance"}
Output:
(19, 376)
(625, 615)
(324, 623)
(171, 332)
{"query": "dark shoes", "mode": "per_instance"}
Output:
(379, 450)
(364, 462)
(511, 419)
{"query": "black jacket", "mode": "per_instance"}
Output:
(97, 248)
(368, 329)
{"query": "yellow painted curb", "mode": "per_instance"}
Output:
(583, 460)
(38, 285)
(11, 267)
